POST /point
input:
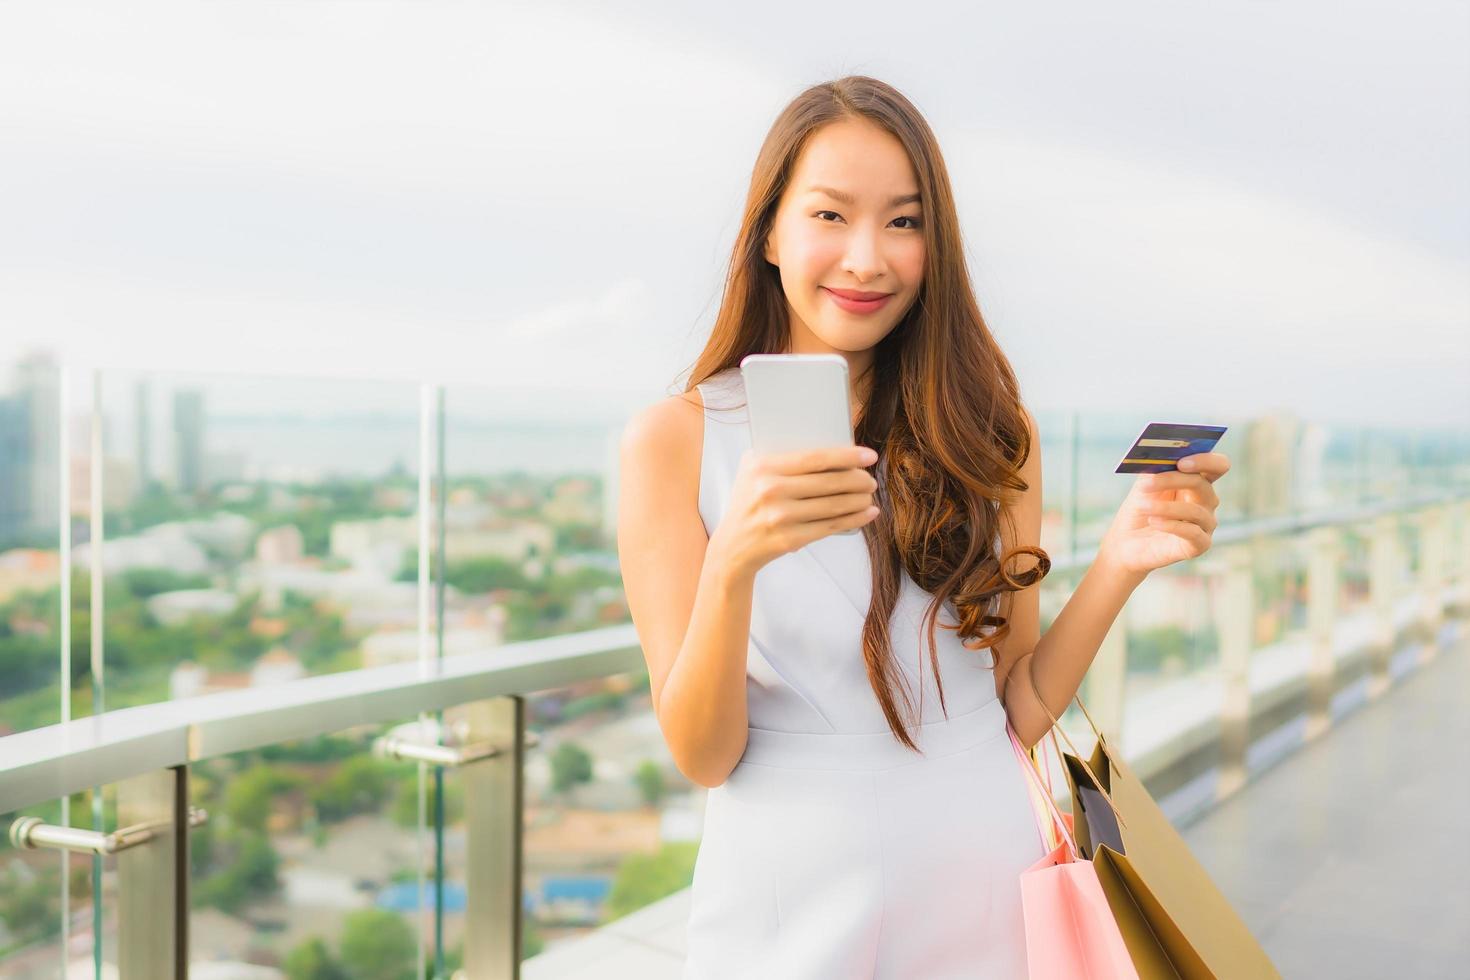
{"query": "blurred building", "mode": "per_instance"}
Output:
(142, 436)
(171, 608)
(30, 434)
(280, 545)
(1268, 466)
(189, 679)
(189, 440)
(402, 645)
(377, 542)
(15, 468)
(27, 570)
(610, 476)
(119, 482)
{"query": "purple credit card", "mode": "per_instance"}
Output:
(1162, 444)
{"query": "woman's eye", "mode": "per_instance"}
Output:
(832, 213)
(913, 222)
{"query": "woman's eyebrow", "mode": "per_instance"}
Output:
(848, 199)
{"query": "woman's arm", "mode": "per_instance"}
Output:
(1167, 517)
(1066, 650)
(690, 604)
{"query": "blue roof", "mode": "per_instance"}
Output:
(400, 897)
(592, 888)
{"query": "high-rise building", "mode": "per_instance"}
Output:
(15, 469)
(189, 440)
(38, 387)
(611, 448)
(143, 436)
(30, 434)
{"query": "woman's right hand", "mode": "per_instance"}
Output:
(781, 502)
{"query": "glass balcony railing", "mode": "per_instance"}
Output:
(350, 668)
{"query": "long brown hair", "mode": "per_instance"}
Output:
(944, 411)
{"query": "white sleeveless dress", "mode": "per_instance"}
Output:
(832, 850)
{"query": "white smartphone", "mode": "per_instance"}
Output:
(798, 401)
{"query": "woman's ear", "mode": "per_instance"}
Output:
(769, 249)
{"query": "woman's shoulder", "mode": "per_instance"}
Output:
(666, 439)
(670, 427)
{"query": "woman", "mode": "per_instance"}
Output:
(845, 837)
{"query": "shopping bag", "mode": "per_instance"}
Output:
(1173, 918)
(1070, 930)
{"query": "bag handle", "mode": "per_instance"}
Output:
(1035, 780)
(1056, 726)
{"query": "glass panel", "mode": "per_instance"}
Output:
(528, 553)
(311, 857)
(33, 933)
(88, 682)
(30, 552)
(528, 526)
(611, 825)
(255, 529)
(30, 902)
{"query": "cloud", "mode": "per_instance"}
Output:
(617, 308)
(1169, 286)
(533, 197)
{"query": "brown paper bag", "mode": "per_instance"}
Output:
(1174, 919)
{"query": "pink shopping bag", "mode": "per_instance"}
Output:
(1070, 930)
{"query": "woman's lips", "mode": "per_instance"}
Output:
(854, 301)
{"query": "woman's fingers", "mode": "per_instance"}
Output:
(1183, 510)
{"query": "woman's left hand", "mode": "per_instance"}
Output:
(1167, 517)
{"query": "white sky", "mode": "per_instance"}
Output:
(1196, 210)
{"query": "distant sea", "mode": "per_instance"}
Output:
(372, 445)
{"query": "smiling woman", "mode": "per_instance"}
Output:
(864, 818)
(850, 832)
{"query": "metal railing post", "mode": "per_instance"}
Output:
(1462, 554)
(1236, 627)
(151, 844)
(1107, 681)
(494, 818)
(1432, 529)
(1324, 563)
(1383, 591)
(152, 878)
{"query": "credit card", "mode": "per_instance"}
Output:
(1162, 444)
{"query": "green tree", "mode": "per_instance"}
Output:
(141, 583)
(406, 801)
(472, 575)
(650, 781)
(311, 960)
(601, 701)
(645, 878)
(453, 960)
(531, 940)
(359, 785)
(570, 764)
(248, 796)
(31, 909)
(378, 945)
(251, 874)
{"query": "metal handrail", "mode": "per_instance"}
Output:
(49, 763)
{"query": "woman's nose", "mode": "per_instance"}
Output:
(863, 260)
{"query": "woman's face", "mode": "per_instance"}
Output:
(846, 238)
